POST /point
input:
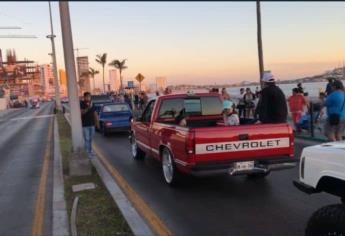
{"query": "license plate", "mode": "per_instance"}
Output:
(245, 165)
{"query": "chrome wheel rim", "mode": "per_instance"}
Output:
(134, 147)
(167, 164)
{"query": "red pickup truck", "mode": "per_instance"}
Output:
(204, 146)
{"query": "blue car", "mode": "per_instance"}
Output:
(114, 117)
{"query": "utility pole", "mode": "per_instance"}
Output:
(56, 79)
(260, 53)
(76, 128)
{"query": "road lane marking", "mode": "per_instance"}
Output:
(38, 221)
(32, 117)
(140, 205)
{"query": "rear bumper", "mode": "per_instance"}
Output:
(304, 187)
(117, 129)
(227, 167)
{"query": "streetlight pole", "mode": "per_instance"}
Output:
(260, 53)
(76, 128)
(56, 79)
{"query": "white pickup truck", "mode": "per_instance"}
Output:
(322, 169)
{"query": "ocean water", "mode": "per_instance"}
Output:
(313, 89)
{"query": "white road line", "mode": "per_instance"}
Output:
(32, 117)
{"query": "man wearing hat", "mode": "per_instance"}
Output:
(272, 107)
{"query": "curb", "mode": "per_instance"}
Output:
(135, 221)
(60, 219)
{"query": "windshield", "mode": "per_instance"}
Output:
(115, 108)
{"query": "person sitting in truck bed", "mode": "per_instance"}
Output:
(230, 116)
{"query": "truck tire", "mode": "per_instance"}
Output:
(169, 170)
(137, 153)
(328, 220)
(258, 175)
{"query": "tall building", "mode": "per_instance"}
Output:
(113, 81)
(63, 82)
(83, 78)
(161, 83)
(47, 79)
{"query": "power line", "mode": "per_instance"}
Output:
(10, 27)
(9, 36)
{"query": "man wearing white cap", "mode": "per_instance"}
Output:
(272, 107)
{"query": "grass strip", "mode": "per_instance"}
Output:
(97, 212)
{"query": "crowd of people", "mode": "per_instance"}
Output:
(269, 105)
(265, 106)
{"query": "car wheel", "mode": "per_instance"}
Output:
(137, 153)
(258, 175)
(170, 173)
(328, 220)
(343, 200)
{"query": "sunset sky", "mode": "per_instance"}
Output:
(188, 42)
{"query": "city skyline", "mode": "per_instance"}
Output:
(193, 42)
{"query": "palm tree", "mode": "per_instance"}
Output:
(120, 65)
(102, 60)
(92, 72)
(260, 53)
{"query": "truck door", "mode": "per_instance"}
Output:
(143, 128)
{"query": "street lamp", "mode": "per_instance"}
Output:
(56, 79)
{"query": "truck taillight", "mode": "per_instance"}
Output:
(108, 124)
(190, 145)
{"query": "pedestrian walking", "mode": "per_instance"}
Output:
(335, 104)
(225, 94)
(241, 104)
(89, 120)
(300, 88)
(249, 98)
(143, 100)
(296, 105)
(329, 85)
(272, 107)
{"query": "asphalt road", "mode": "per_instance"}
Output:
(218, 205)
(23, 142)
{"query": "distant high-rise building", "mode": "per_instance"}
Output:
(161, 83)
(113, 81)
(63, 82)
(83, 78)
(47, 79)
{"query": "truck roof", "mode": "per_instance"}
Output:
(182, 95)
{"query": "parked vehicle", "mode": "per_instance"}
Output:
(205, 146)
(64, 100)
(99, 100)
(34, 103)
(114, 117)
(322, 169)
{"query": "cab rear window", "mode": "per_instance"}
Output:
(171, 108)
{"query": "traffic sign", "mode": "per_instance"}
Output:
(139, 78)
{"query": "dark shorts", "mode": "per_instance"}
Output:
(335, 129)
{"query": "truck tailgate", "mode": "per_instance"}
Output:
(243, 142)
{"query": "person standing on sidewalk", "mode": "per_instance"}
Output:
(335, 104)
(296, 105)
(89, 120)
